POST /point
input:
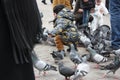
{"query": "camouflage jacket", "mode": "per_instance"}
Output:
(65, 27)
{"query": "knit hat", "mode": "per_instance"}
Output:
(58, 8)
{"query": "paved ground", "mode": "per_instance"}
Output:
(43, 51)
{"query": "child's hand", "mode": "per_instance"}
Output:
(85, 0)
(80, 10)
(92, 10)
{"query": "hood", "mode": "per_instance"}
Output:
(66, 13)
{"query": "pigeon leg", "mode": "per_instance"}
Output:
(44, 73)
(105, 75)
(75, 66)
(37, 76)
(81, 79)
(97, 66)
(116, 77)
(67, 78)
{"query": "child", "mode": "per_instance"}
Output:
(65, 31)
(86, 5)
(97, 14)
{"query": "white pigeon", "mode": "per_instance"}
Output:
(84, 39)
(81, 71)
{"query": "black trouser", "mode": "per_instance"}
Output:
(107, 4)
(51, 1)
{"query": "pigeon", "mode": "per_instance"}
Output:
(116, 52)
(95, 56)
(67, 72)
(74, 56)
(57, 55)
(112, 67)
(45, 34)
(82, 68)
(46, 38)
(84, 39)
(107, 44)
(41, 65)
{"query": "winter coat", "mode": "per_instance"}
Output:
(87, 5)
(64, 2)
(78, 16)
(65, 27)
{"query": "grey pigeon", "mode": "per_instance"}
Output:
(74, 56)
(112, 67)
(82, 69)
(95, 56)
(47, 38)
(116, 52)
(41, 65)
(67, 72)
(57, 55)
(84, 39)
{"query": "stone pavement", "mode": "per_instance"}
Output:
(43, 51)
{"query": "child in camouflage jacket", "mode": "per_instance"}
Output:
(65, 31)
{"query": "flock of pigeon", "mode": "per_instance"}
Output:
(96, 44)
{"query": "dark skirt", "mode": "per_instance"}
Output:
(19, 23)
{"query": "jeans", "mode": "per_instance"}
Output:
(86, 14)
(115, 23)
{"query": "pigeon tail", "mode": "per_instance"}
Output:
(49, 67)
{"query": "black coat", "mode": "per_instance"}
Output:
(78, 15)
(19, 24)
(85, 5)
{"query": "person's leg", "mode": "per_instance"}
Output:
(59, 43)
(115, 26)
(85, 17)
